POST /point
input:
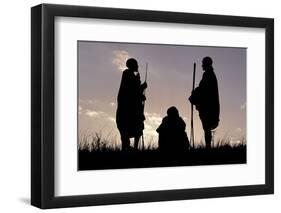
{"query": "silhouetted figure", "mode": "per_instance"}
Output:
(129, 115)
(172, 135)
(206, 99)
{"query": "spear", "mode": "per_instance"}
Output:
(146, 68)
(191, 125)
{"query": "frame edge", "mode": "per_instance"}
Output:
(269, 82)
(36, 60)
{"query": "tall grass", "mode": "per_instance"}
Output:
(227, 141)
(98, 142)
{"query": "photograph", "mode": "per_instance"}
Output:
(143, 105)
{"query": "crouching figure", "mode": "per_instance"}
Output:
(172, 135)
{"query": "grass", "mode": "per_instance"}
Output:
(103, 152)
(97, 142)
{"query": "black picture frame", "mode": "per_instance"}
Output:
(43, 105)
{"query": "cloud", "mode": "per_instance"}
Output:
(153, 118)
(119, 59)
(80, 109)
(112, 104)
(98, 114)
(152, 122)
(243, 107)
(93, 113)
(111, 119)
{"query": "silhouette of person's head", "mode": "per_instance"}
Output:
(173, 112)
(207, 63)
(132, 64)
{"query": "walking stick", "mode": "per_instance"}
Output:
(143, 104)
(191, 125)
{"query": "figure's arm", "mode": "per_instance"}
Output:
(199, 91)
(143, 86)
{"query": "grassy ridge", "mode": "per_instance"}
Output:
(117, 159)
(99, 152)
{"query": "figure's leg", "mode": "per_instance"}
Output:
(136, 142)
(125, 141)
(208, 138)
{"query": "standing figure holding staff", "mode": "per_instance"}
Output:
(206, 99)
(130, 116)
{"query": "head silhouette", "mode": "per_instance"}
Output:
(207, 63)
(173, 112)
(132, 64)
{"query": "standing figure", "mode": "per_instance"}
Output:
(172, 135)
(130, 116)
(206, 99)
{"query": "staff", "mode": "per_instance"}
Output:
(191, 125)
(143, 102)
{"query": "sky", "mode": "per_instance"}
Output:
(169, 79)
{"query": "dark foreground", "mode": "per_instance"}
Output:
(109, 159)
